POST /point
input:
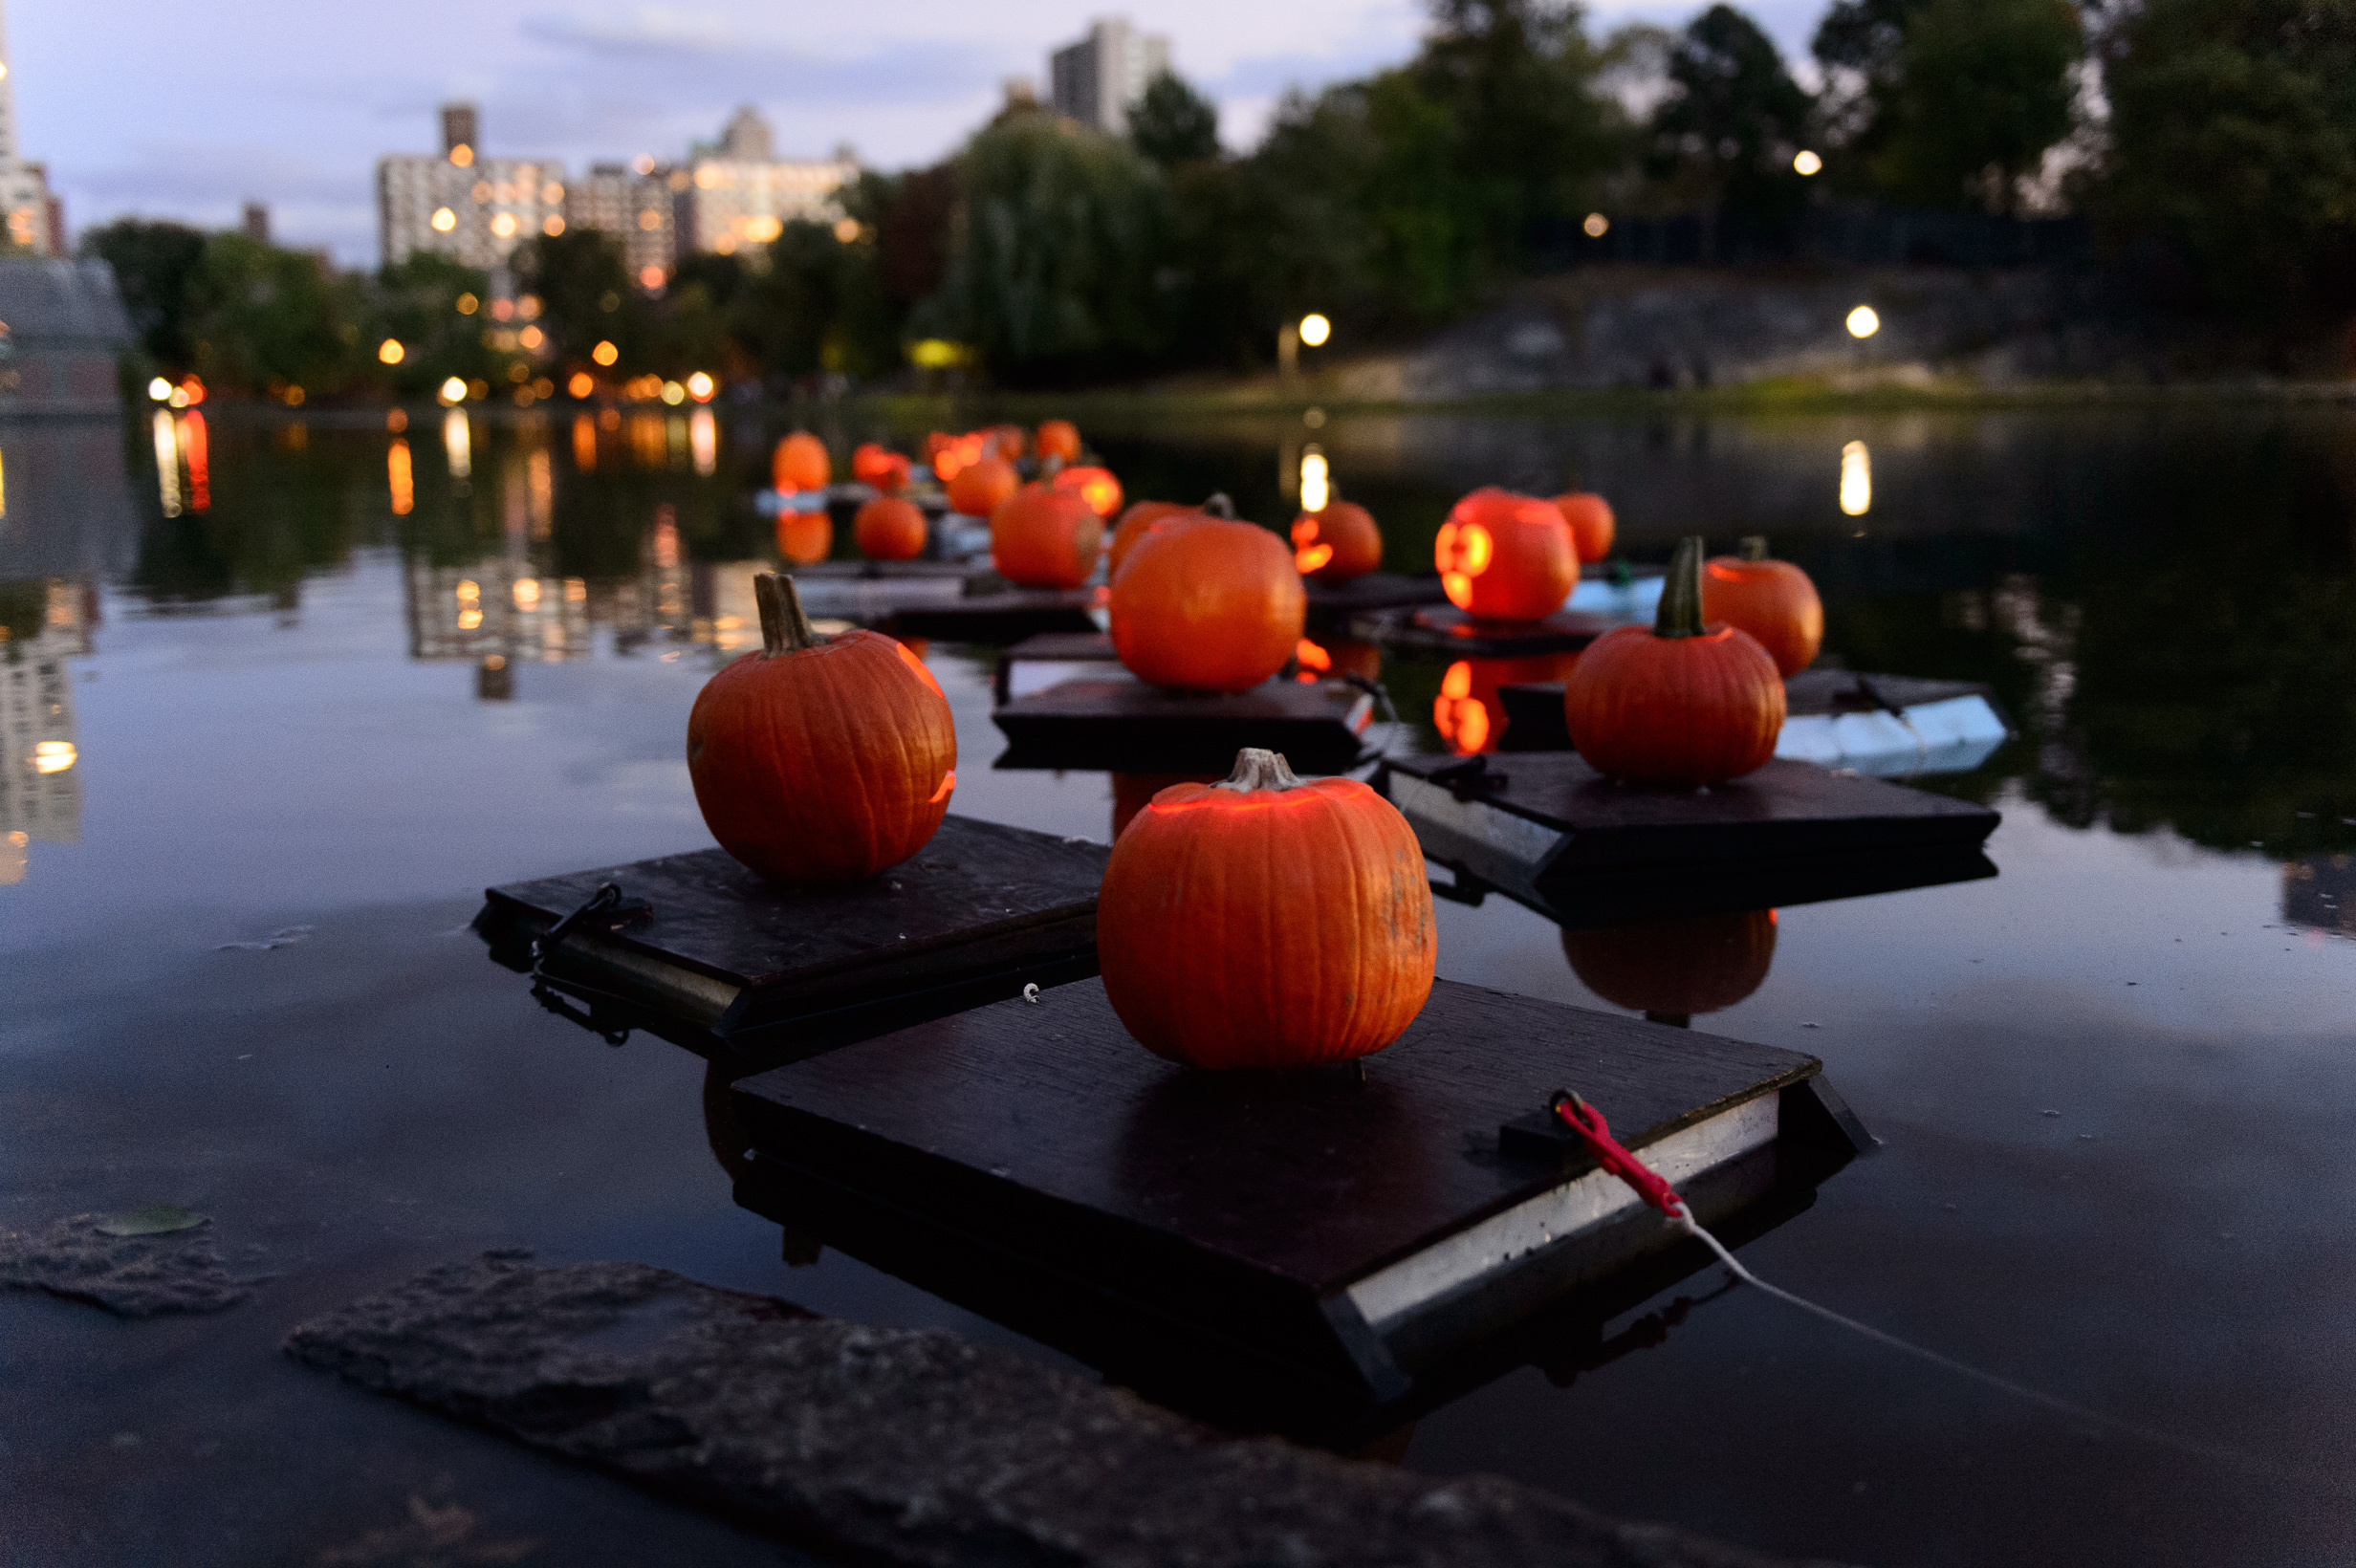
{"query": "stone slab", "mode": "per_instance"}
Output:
(916, 1448)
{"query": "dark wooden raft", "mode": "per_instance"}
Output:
(1313, 1250)
(1447, 630)
(1534, 708)
(1004, 617)
(703, 953)
(1332, 604)
(1550, 830)
(1126, 726)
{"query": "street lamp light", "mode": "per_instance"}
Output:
(1315, 329)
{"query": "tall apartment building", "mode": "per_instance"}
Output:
(1096, 80)
(739, 193)
(634, 203)
(463, 205)
(36, 219)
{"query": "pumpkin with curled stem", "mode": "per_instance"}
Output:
(1265, 921)
(1773, 600)
(1679, 703)
(820, 761)
(1338, 543)
(1207, 604)
(1504, 556)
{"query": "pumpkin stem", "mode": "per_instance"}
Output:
(784, 627)
(1258, 768)
(1755, 547)
(1681, 593)
(1218, 506)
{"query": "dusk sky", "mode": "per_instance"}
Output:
(181, 111)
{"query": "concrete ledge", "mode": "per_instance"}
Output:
(917, 1448)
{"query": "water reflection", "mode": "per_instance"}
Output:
(2320, 892)
(1671, 970)
(42, 624)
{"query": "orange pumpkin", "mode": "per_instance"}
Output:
(1591, 523)
(1671, 970)
(1506, 558)
(889, 529)
(1338, 543)
(820, 761)
(1134, 525)
(951, 455)
(1469, 713)
(977, 487)
(1773, 600)
(1095, 486)
(1044, 538)
(1264, 922)
(805, 538)
(1207, 604)
(1058, 438)
(876, 465)
(1131, 791)
(1679, 703)
(800, 463)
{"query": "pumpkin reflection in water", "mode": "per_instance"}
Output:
(804, 537)
(1469, 713)
(1671, 970)
(1335, 657)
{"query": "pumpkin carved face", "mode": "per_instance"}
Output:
(1591, 523)
(1679, 703)
(977, 488)
(890, 528)
(1207, 604)
(801, 464)
(821, 761)
(1338, 543)
(1506, 558)
(1773, 600)
(1264, 922)
(1043, 537)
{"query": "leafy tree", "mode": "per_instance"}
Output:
(2232, 140)
(819, 304)
(1733, 120)
(1173, 123)
(154, 263)
(260, 317)
(415, 303)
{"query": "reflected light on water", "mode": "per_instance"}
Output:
(195, 452)
(584, 443)
(53, 756)
(1314, 480)
(13, 858)
(526, 593)
(704, 440)
(457, 444)
(399, 478)
(1856, 479)
(168, 463)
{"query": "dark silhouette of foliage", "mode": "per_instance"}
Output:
(1728, 131)
(1173, 123)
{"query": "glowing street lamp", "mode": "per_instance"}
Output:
(1596, 226)
(1315, 329)
(1863, 321)
(453, 391)
(700, 386)
(1805, 162)
(390, 352)
(160, 390)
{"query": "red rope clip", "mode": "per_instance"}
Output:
(1588, 1122)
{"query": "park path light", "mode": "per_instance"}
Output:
(160, 390)
(390, 352)
(1596, 226)
(1805, 162)
(453, 391)
(1315, 329)
(606, 354)
(700, 386)
(1863, 321)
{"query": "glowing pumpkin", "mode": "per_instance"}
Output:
(1095, 486)
(1207, 604)
(873, 464)
(1773, 600)
(1591, 523)
(1671, 970)
(1264, 922)
(1677, 703)
(821, 761)
(1338, 543)
(1506, 558)
(805, 538)
(951, 455)
(890, 528)
(1044, 538)
(1058, 438)
(801, 464)
(977, 487)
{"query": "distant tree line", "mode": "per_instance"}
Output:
(2211, 142)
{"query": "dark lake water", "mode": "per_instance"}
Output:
(2116, 1083)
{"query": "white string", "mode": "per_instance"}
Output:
(1684, 1217)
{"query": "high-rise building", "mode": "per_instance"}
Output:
(256, 222)
(463, 205)
(637, 205)
(1096, 80)
(738, 194)
(36, 219)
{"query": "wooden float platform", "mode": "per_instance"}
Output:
(1317, 1250)
(1009, 616)
(1876, 724)
(1332, 606)
(1447, 631)
(1551, 831)
(1037, 663)
(1119, 724)
(735, 968)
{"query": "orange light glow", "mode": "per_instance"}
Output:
(948, 782)
(1463, 552)
(193, 389)
(956, 453)
(1461, 718)
(1096, 486)
(194, 448)
(907, 657)
(1313, 657)
(584, 443)
(1311, 559)
(398, 475)
(1458, 681)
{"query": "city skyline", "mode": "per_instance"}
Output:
(301, 128)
